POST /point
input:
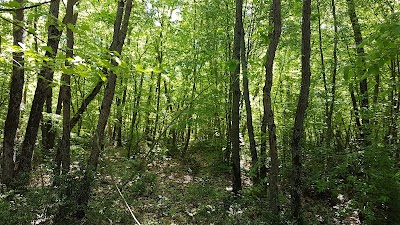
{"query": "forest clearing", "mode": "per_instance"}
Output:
(200, 112)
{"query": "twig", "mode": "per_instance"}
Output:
(126, 203)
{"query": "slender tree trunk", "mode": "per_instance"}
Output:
(49, 134)
(228, 148)
(45, 75)
(361, 57)
(298, 129)
(376, 88)
(147, 128)
(189, 126)
(172, 141)
(120, 104)
(334, 73)
(135, 112)
(249, 116)
(228, 112)
(236, 182)
(323, 72)
(158, 91)
(63, 150)
(120, 31)
(397, 148)
(275, 18)
(14, 104)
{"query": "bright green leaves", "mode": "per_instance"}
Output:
(11, 5)
(72, 27)
(140, 69)
(47, 49)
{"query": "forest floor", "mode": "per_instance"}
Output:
(195, 189)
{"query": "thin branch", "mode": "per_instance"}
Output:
(26, 7)
(126, 203)
(16, 24)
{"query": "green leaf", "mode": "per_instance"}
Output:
(139, 68)
(72, 27)
(348, 72)
(47, 49)
(103, 77)
(85, 27)
(12, 4)
(68, 70)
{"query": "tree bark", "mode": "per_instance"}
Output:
(14, 104)
(236, 181)
(298, 129)
(275, 18)
(120, 31)
(45, 75)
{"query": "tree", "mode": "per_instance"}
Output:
(14, 104)
(119, 35)
(364, 102)
(244, 55)
(298, 128)
(235, 82)
(43, 85)
(63, 150)
(275, 19)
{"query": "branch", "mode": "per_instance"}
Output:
(26, 7)
(126, 203)
(16, 24)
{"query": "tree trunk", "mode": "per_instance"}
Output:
(49, 134)
(298, 129)
(135, 111)
(275, 18)
(228, 148)
(334, 73)
(63, 150)
(361, 57)
(189, 125)
(236, 182)
(120, 102)
(35, 116)
(147, 128)
(120, 31)
(323, 73)
(249, 116)
(14, 104)
(158, 91)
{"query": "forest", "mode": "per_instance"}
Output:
(200, 112)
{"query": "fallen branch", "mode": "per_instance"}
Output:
(126, 203)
